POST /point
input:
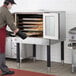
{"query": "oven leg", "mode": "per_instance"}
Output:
(34, 52)
(18, 55)
(48, 58)
(62, 52)
(73, 68)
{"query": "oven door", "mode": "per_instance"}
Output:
(50, 26)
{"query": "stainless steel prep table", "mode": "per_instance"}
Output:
(37, 41)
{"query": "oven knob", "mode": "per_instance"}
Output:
(72, 37)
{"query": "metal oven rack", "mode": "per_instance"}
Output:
(31, 24)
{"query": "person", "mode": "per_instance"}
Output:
(6, 18)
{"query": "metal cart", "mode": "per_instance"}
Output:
(72, 45)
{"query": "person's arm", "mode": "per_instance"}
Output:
(10, 23)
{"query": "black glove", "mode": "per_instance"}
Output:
(10, 33)
(21, 34)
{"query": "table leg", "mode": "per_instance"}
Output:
(48, 57)
(62, 52)
(34, 52)
(18, 54)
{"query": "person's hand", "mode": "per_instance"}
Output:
(15, 31)
(21, 34)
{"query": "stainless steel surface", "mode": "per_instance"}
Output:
(73, 59)
(62, 25)
(73, 30)
(72, 40)
(34, 59)
(49, 69)
(18, 65)
(72, 68)
(72, 34)
(32, 40)
(61, 22)
(62, 61)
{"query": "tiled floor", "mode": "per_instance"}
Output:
(57, 69)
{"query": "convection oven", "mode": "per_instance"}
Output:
(42, 28)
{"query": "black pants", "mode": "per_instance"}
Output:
(2, 58)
